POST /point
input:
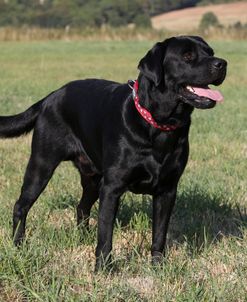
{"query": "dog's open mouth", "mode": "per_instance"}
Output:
(201, 97)
(206, 92)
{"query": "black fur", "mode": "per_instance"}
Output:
(95, 124)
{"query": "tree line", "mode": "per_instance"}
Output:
(91, 13)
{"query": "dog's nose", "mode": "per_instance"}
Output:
(219, 63)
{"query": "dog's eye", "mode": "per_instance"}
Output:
(188, 56)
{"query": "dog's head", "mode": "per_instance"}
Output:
(185, 66)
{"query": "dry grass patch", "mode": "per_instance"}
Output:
(128, 243)
(61, 218)
(188, 19)
(77, 260)
(9, 293)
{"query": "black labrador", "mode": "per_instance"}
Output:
(121, 137)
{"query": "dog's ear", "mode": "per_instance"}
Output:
(152, 64)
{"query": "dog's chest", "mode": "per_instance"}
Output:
(158, 166)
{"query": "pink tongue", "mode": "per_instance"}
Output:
(214, 95)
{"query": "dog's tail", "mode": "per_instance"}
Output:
(22, 123)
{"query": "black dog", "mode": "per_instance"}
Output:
(120, 136)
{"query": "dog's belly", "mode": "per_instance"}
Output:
(141, 187)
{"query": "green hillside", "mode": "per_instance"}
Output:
(78, 13)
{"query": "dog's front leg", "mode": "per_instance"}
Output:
(162, 209)
(108, 206)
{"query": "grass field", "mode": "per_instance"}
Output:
(207, 246)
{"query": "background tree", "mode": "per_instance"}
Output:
(209, 20)
(60, 13)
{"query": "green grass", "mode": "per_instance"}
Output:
(207, 245)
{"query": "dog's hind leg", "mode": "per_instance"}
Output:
(39, 171)
(89, 196)
(90, 182)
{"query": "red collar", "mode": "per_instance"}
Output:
(145, 113)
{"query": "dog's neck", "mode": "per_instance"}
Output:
(163, 104)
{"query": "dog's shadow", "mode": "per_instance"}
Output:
(198, 218)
